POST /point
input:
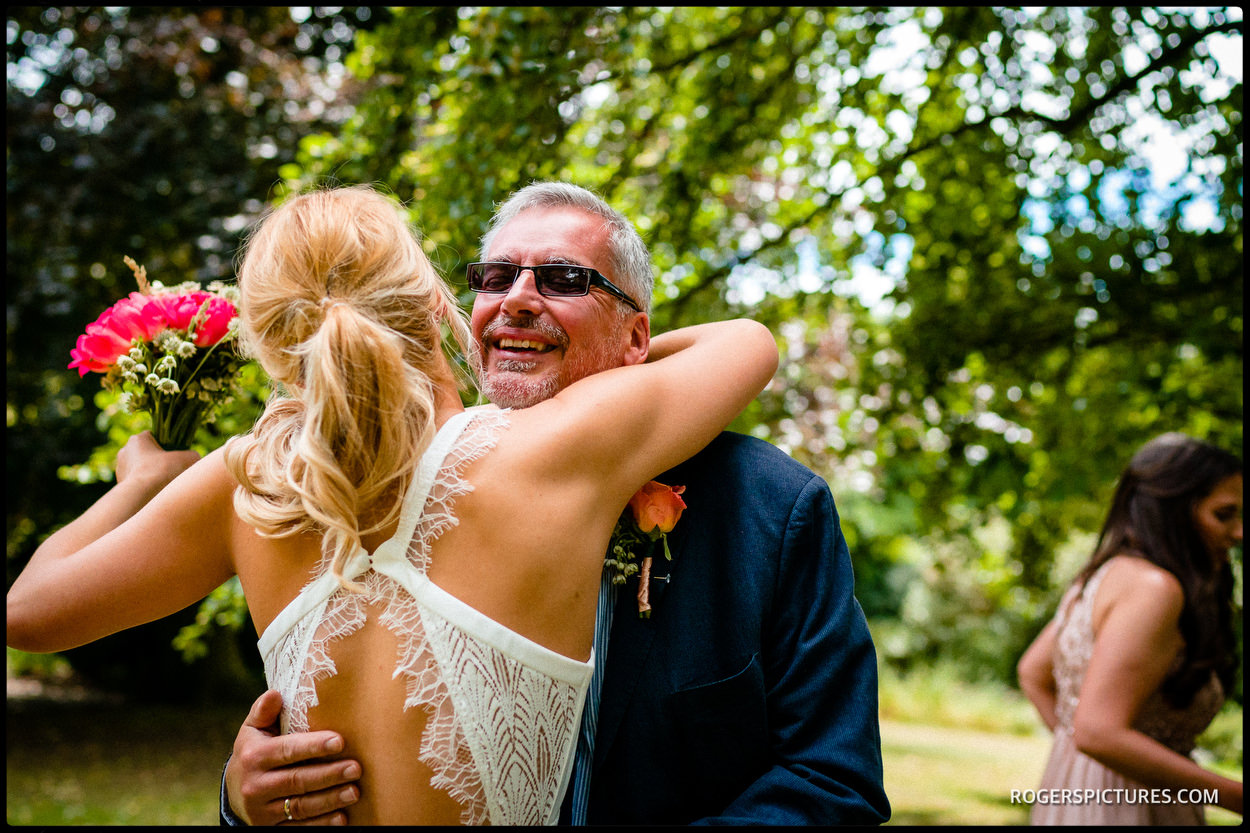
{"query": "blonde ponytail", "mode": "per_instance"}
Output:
(341, 306)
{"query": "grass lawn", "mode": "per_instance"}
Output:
(939, 776)
(105, 764)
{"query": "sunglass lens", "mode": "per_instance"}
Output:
(565, 280)
(492, 277)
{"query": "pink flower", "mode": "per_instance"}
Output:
(133, 317)
(142, 317)
(94, 354)
(216, 322)
(110, 335)
(171, 353)
(180, 310)
(657, 508)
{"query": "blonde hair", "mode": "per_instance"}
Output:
(341, 306)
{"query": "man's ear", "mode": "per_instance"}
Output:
(639, 345)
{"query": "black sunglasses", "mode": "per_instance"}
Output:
(560, 280)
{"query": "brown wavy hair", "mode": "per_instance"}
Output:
(1151, 517)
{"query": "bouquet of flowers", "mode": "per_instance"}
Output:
(171, 350)
(652, 513)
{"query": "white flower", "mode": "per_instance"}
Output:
(228, 291)
(168, 386)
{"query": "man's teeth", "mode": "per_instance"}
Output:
(521, 344)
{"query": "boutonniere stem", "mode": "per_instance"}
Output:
(644, 589)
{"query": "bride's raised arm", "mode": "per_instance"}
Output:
(626, 425)
(138, 554)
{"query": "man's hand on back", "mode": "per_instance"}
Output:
(267, 769)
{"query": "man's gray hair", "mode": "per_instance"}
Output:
(630, 258)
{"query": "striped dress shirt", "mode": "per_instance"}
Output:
(585, 756)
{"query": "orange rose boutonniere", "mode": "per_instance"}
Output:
(651, 514)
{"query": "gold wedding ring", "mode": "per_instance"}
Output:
(286, 810)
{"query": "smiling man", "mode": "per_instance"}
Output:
(750, 694)
(527, 356)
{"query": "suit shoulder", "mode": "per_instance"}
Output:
(749, 459)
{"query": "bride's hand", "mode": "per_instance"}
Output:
(142, 459)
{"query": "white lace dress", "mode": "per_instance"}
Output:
(503, 711)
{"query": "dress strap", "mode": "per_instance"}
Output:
(394, 550)
(1082, 595)
(390, 555)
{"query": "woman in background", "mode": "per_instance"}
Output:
(1140, 655)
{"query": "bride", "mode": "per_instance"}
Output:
(423, 576)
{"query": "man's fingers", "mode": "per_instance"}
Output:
(312, 790)
(318, 808)
(270, 774)
(304, 781)
(262, 754)
(304, 746)
(265, 711)
(338, 819)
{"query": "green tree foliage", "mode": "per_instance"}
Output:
(1057, 299)
(1001, 247)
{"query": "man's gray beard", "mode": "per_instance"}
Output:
(510, 387)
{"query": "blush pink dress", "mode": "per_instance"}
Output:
(1069, 769)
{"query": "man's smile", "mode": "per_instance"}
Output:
(522, 339)
(523, 345)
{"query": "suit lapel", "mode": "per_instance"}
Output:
(628, 647)
(630, 643)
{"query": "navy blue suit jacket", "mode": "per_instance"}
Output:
(750, 695)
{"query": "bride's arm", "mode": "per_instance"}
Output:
(142, 551)
(624, 426)
(143, 468)
(664, 345)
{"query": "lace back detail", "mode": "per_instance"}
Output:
(444, 748)
(443, 745)
(518, 724)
